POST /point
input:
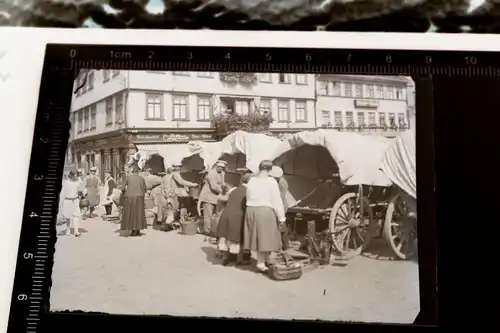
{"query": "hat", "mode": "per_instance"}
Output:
(221, 163)
(276, 172)
(93, 169)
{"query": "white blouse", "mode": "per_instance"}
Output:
(264, 192)
(70, 189)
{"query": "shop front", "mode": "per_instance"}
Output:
(104, 154)
(161, 150)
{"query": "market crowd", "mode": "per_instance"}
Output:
(243, 219)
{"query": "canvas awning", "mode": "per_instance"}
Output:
(399, 163)
(172, 153)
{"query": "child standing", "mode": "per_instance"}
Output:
(69, 202)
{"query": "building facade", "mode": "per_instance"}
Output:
(365, 104)
(411, 105)
(117, 113)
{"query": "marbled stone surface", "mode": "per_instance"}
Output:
(479, 16)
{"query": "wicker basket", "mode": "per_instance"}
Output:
(189, 228)
(84, 203)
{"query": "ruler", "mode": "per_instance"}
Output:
(358, 61)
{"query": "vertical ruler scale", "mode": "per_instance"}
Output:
(36, 247)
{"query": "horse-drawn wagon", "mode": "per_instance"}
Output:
(336, 180)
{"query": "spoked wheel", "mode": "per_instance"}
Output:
(351, 232)
(199, 208)
(400, 228)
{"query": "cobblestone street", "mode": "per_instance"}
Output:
(168, 273)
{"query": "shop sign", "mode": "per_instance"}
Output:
(366, 103)
(170, 138)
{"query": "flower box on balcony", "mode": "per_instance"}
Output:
(338, 126)
(227, 123)
(351, 126)
(238, 78)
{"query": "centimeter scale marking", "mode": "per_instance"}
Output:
(449, 70)
(46, 176)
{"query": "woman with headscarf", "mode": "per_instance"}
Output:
(71, 192)
(133, 212)
(264, 211)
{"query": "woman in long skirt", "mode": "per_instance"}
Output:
(264, 210)
(70, 199)
(230, 227)
(133, 213)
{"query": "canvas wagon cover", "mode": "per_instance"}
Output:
(255, 146)
(399, 163)
(317, 154)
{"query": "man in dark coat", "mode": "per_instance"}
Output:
(92, 186)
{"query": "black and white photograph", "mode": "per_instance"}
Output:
(239, 195)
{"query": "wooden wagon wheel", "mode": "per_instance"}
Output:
(199, 208)
(400, 228)
(351, 233)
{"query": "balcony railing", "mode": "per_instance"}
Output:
(227, 123)
(242, 78)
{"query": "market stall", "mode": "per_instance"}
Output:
(241, 150)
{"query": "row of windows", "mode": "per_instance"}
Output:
(285, 78)
(91, 77)
(180, 110)
(349, 89)
(85, 119)
(360, 120)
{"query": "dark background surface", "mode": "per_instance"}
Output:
(448, 16)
